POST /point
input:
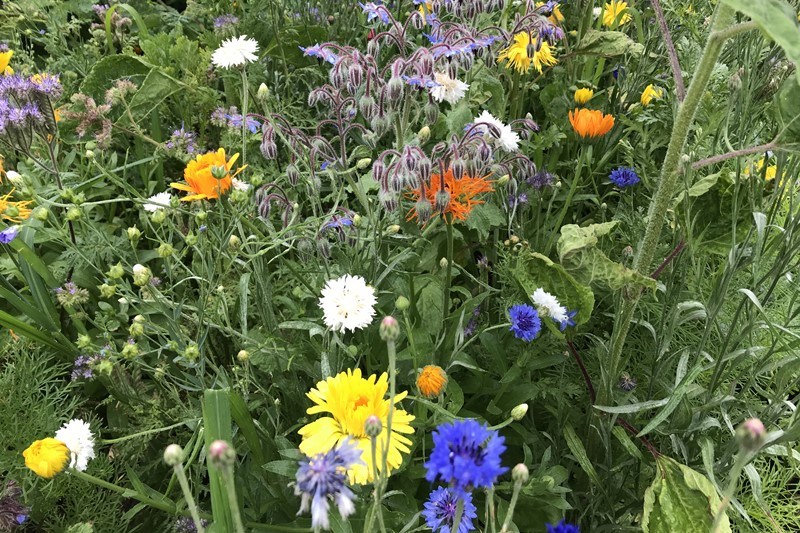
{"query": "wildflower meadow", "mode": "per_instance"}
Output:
(399, 266)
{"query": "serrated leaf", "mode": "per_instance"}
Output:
(778, 20)
(534, 270)
(680, 499)
(108, 70)
(608, 44)
(483, 218)
(458, 117)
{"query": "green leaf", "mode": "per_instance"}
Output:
(155, 88)
(680, 499)
(579, 452)
(632, 407)
(108, 70)
(458, 117)
(241, 415)
(534, 270)
(778, 20)
(83, 527)
(217, 422)
(484, 218)
(429, 305)
(608, 44)
(579, 255)
(698, 188)
(674, 400)
(788, 111)
(282, 467)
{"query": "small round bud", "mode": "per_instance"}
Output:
(363, 163)
(505, 178)
(165, 250)
(263, 92)
(389, 329)
(41, 213)
(190, 239)
(234, 242)
(136, 330)
(141, 275)
(191, 352)
(373, 426)
(173, 455)
(520, 474)
(394, 228)
(352, 350)
(424, 134)
(443, 262)
(519, 412)
(134, 234)
(514, 239)
(84, 341)
(15, 178)
(402, 303)
(356, 220)
(220, 453)
(73, 213)
(751, 434)
(130, 350)
(686, 159)
(432, 381)
(201, 217)
(139, 319)
(158, 217)
(116, 271)
(219, 172)
(89, 154)
(243, 356)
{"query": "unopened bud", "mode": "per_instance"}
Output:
(219, 172)
(373, 426)
(424, 134)
(165, 250)
(73, 213)
(84, 341)
(263, 92)
(363, 163)
(15, 178)
(505, 178)
(394, 228)
(234, 242)
(520, 474)
(389, 329)
(158, 217)
(116, 271)
(134, 234)
(443, 262)
(220, 453)
(519, 412)
(243, 356)
(751, 434)
(173, 455)
(201, 217)
(41, 213)
(136, 330)
(130, 350)
(191, 352)
(402, 303)
(141, 275)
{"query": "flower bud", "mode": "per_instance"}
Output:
(165, 250)
(190, 239)
(41, 213)
(84, 341)
(519, 412)
(505, 178)
(395, 87)
(520, 474)
(367, 106)
(130, 350)
(191, 352)
(158, 217)
(424, 209)
(394, 228)
(751, 434)
(442, 201)
(141, 275)
(173, 455)
(200, 217)
(357, 220)
(89, 154)
(263, 92)
(220, 453)
(292, 174)
(243, 356)
(363, 163)
(234, 242)
(431, 113)
(424, 134)
(389, 329)
(136, 330)
(15, 178)
(134, 234)
(73, 213)
(443, 262)
(373, 426)
(459, 167)
(116, 271)
(402, 303)
(432, 381)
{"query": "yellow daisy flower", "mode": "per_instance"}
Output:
(651, 93)
(350, 399)
(208, 176)
(583, 95)
(46, 457)
(5, 59)
(556, 16)
(517, 54)
(615, 14)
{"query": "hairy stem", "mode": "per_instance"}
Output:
(719, 158)
(680, 87)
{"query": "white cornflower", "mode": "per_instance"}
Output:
(347, 303)
(240, 185)
(449, 90)
(158, 201)
(548, 305)
(15, 177)
(508, 139)
(597, 11)
(78, 438)
(235, 52)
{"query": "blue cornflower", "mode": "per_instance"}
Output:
(564, 324)
(525, 322)
(440, 511)
(466, 455)
(563, 527)
(9, 234)
(324, 477)
(624, 177)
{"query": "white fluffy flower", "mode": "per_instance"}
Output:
(547, 304)
(508, 139)
(235, 52)
(240, 185)
(158, 201)
(15, 177)
(597, 11)
(347, 303)
(79, 440)
(449, 90)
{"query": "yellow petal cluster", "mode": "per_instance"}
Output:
(46, 457)
(615, 14)
(199, 176)
(651, 93)
(517, 57)
(583, 95)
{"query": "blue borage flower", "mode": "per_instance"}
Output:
(375, 11)
(235, 121)
(324, 477)
(463, 46)
(525, 322)
(9, 234)
(624, 177)
(419, 81)
(568, 322)
(563, 527)
(440, 511)
(320, 52)
(466, 455)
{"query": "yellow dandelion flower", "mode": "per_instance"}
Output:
(583, 95)
(432, 381)
(349, 399)
(615, 14)
(208, 176)
(5, 59)
(651, 93)
(46, 457)
(14, 211)
(517, 54)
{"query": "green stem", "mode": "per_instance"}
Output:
(585, 154)
(511, 505)
(733, 482)
(457, 517)
(245, 94)
(666, 190)
(233, 501)
(448, 273)
(392, 352)
(187, 494)
(143, 433)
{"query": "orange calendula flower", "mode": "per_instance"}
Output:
(14, 211)
(590, 122)
(462, 193)
(432, 381)
(46, 457)
(208, 176)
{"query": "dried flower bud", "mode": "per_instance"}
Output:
(519, 412)
(173, 455)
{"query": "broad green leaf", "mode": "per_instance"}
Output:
(108, 70)
(788, 110)
(155, 88)
(579, 452)
(534, 270)
(282, 467)
(83, 527)
(217, 423)
(680, 499)
(484, 218)
(778, 20)
(579, 255)
(458, 117)
(608, 44)
(429, 305)
(698, 188)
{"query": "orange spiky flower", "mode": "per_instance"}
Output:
(463, 195)
(14, 211)
(590, 122)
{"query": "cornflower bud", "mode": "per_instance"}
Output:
(520, 474)
(221, 454)
(751, 434)
(134, 234)
(402, 303)
(263, 92)
(519, 412)
(373, 426)
(73, 213)
(173, 455)
(424, 134)
(389, 329)
(158, 217)
(243, 356)
(141, 275)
